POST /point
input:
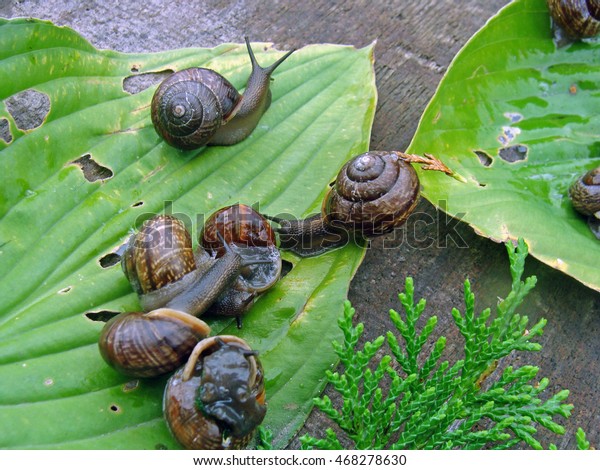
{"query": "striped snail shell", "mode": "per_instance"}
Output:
(140, 344)
(217, 399)
(198, 106)
(585, 193)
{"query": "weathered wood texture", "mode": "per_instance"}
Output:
(416, 40)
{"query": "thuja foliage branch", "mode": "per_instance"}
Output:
(412, 400)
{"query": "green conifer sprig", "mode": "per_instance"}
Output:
(407, 401)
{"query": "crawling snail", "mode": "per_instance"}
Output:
(577, 18)
(373, 194)
(585, 197)
(251, 236)
(161, 267)
(198, 106)
(217, 399)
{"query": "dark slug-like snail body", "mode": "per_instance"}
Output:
(197, 106)
(585, 197)
(250, 235)
(217, 399)
(373, 193)
(577, 18)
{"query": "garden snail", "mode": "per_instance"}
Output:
(150, 344)
(585, 197)
(198, 106)
(251, 236)
(217, 399)
(578, 18)
(373, 193)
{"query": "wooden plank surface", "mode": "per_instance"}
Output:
(416, 40)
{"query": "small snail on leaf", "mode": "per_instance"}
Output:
(577, 19)
(373, 194)
(585, 197)
(197, 106)
(217, 399)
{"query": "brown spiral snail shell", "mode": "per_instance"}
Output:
(140, 344)
(577, 18)
(197, 106)
(373, 193)
(250, 235)
(585, 197)
(217, 399)
(163, 269)
(585, 193)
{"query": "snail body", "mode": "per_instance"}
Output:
(197, 106)
(150, 344)
(577, 18)
(373, 194)
(217, 399)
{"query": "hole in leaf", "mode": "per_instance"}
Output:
(115, 408)
(5, 134)
(286, 267)
(131, 385)
(514, 153)
(508, 134)
(137, 83)
(109, 260)
(101, 315)
(135, 69)
(137, 204)
(28, 108)
(92, 171)
(484, 158)
(65, 290)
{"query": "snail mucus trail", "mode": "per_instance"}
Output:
(198, 106)
(373, 194)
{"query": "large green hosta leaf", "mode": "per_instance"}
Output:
(56, 226)
(512, 90)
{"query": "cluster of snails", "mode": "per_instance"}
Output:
(216, 396)
(585, 197)
(235, 261)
